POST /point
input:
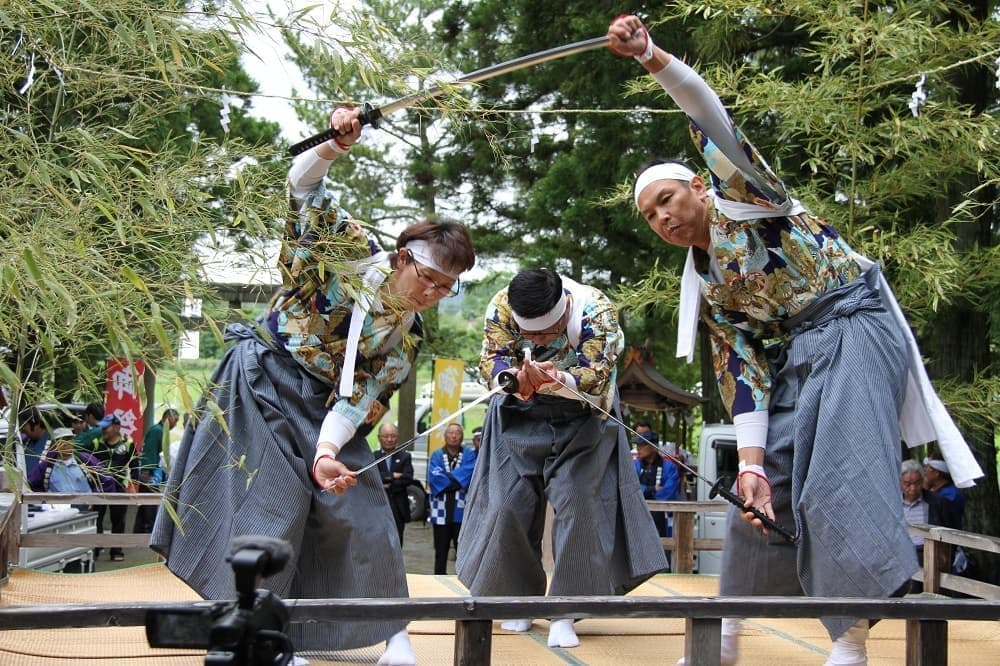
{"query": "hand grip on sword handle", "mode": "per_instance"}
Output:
(720, 488)
(369, 116)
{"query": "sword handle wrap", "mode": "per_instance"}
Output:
(721, 489)
(369, 116)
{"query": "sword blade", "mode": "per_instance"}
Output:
(718, 488)
(440, 424)
(371, 116)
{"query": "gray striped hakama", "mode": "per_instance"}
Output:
(833, 459)
(256, 480)
(603, 538)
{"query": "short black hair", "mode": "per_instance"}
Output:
(95, 409)
(534, 292)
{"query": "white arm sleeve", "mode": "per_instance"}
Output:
(306, 172)
(336, 429)
(751, 429)
(702, 105)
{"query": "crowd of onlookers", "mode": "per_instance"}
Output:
(94, 455)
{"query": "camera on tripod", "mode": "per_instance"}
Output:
(250, 631)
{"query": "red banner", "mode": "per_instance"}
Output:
(122, 397)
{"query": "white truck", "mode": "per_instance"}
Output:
(716, 457)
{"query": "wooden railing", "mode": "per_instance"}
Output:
(926, 634)
(12, 539)
(926, 618)
(683, 544)
(938, 551)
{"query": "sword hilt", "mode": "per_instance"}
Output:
(721, 488)
(508, 380)
(369, 116)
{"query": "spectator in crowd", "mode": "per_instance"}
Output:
(34, 439)
(150, 472)
(477, 438)
(937, 478)
(922, 506)
(658, 476)
(397, 475)
(449, 473)
(117, 453)
(92, 415)
(63, 470)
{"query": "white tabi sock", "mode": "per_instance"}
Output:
(398, 651)
(850, 648)
(515, 625)
(561, 634)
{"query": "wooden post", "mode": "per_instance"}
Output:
(937, 559)
(683, 561)
(703, 641)
(473, 642)
(926, 642)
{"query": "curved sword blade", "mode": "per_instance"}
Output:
(371, 116)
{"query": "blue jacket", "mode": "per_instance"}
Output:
(447, 484)
(665, 476)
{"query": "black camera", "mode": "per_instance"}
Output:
(250, 631)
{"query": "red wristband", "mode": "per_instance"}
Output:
(757, 474)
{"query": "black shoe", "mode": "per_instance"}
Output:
(117, 557)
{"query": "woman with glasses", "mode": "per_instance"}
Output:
(273, 447)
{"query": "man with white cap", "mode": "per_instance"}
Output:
(938, 478)
(823, 404)
(548, 443)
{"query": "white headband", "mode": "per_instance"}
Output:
(668, 171)
(544, 321)
(421, 251)
(939, 465)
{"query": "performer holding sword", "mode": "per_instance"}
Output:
(818, 417)
(547, 442)
(293, 400)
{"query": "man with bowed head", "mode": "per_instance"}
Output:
(828, 402)
(298, 393)
(551, 442)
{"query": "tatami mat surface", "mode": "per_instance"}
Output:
(604, 641)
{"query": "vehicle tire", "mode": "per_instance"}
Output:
(418, 502)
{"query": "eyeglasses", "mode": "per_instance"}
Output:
(445, 290)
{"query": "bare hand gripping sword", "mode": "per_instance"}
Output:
(371, 115)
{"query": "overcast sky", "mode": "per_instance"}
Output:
(272, 70)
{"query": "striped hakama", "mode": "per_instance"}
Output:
(256, 480)
(833, 458)
(603, 538)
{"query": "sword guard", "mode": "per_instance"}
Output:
(508, 380)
